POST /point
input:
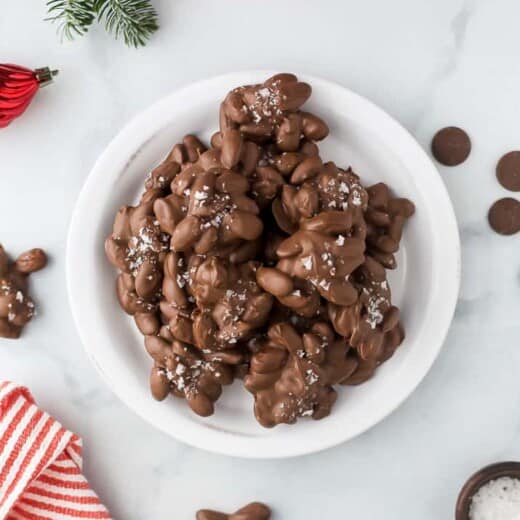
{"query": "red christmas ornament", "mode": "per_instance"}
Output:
(18, 86)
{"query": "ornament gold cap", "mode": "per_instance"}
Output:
(45, 76)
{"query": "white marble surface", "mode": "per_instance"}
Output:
(429, 64)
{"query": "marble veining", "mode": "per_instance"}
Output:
(429, 64)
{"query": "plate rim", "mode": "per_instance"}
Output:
(224, 442)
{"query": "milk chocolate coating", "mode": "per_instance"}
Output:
(371, 325)
(16, 306)
(269, 110)
(385, 218)
(211, 302)
(508, 171)
(292, 373)
(252, 511)
(321, 188)
(256, 259)
(451, 146)
(184, 371)
(219, 217)
(504, 216)
(31, 261)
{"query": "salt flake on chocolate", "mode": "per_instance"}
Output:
(307, 262)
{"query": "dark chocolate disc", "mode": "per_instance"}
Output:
(451, 146)
(508, 171)
(504, 216)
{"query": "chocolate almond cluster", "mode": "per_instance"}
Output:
(16, 306)
(255, 259)
(252, 511)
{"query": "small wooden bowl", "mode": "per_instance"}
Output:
(476, 481)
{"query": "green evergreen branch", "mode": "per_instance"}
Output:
(133, 20)
(73, 16)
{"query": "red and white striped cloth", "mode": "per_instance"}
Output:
(40, 464)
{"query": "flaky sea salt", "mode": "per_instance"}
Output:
(374, 315)
(307, 262)
(201, 195)
(311, 377)
(497, 500)
(356, 199)
(343, 188)
(181, 282)
(324, 285)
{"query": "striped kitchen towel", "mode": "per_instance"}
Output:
(40, 464)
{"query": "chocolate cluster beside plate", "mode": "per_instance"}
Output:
(252, 511)
(255, 259)
(16, 306)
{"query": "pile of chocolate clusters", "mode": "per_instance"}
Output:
(255, 259)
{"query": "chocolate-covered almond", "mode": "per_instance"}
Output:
(200, 404)
(266, 185)
(121, 229)
(287, 161)
(147, 280)
(314, 128)
(147, 323)
(245, 225)
(274, 281)
(231, 147)
(31, 261)
(4, 261)
(288, 133)
(158, 348)
(161, 176)
(185, 234)
(116, 253)
(294, 95)
(178, 154)
(307, 202)
(306, 169)
(159, 384)
(231, 182)
(168, 211)
(211, 159)
(250, 157)
(252, 511)
(209, 514)
(391, 319)
(399, 206)
(278, 79)
(233, 108)
(364, 371)
(194, 147)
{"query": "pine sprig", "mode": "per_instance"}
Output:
(73, 16)
(133, 20)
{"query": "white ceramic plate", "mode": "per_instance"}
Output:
(425, 286)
